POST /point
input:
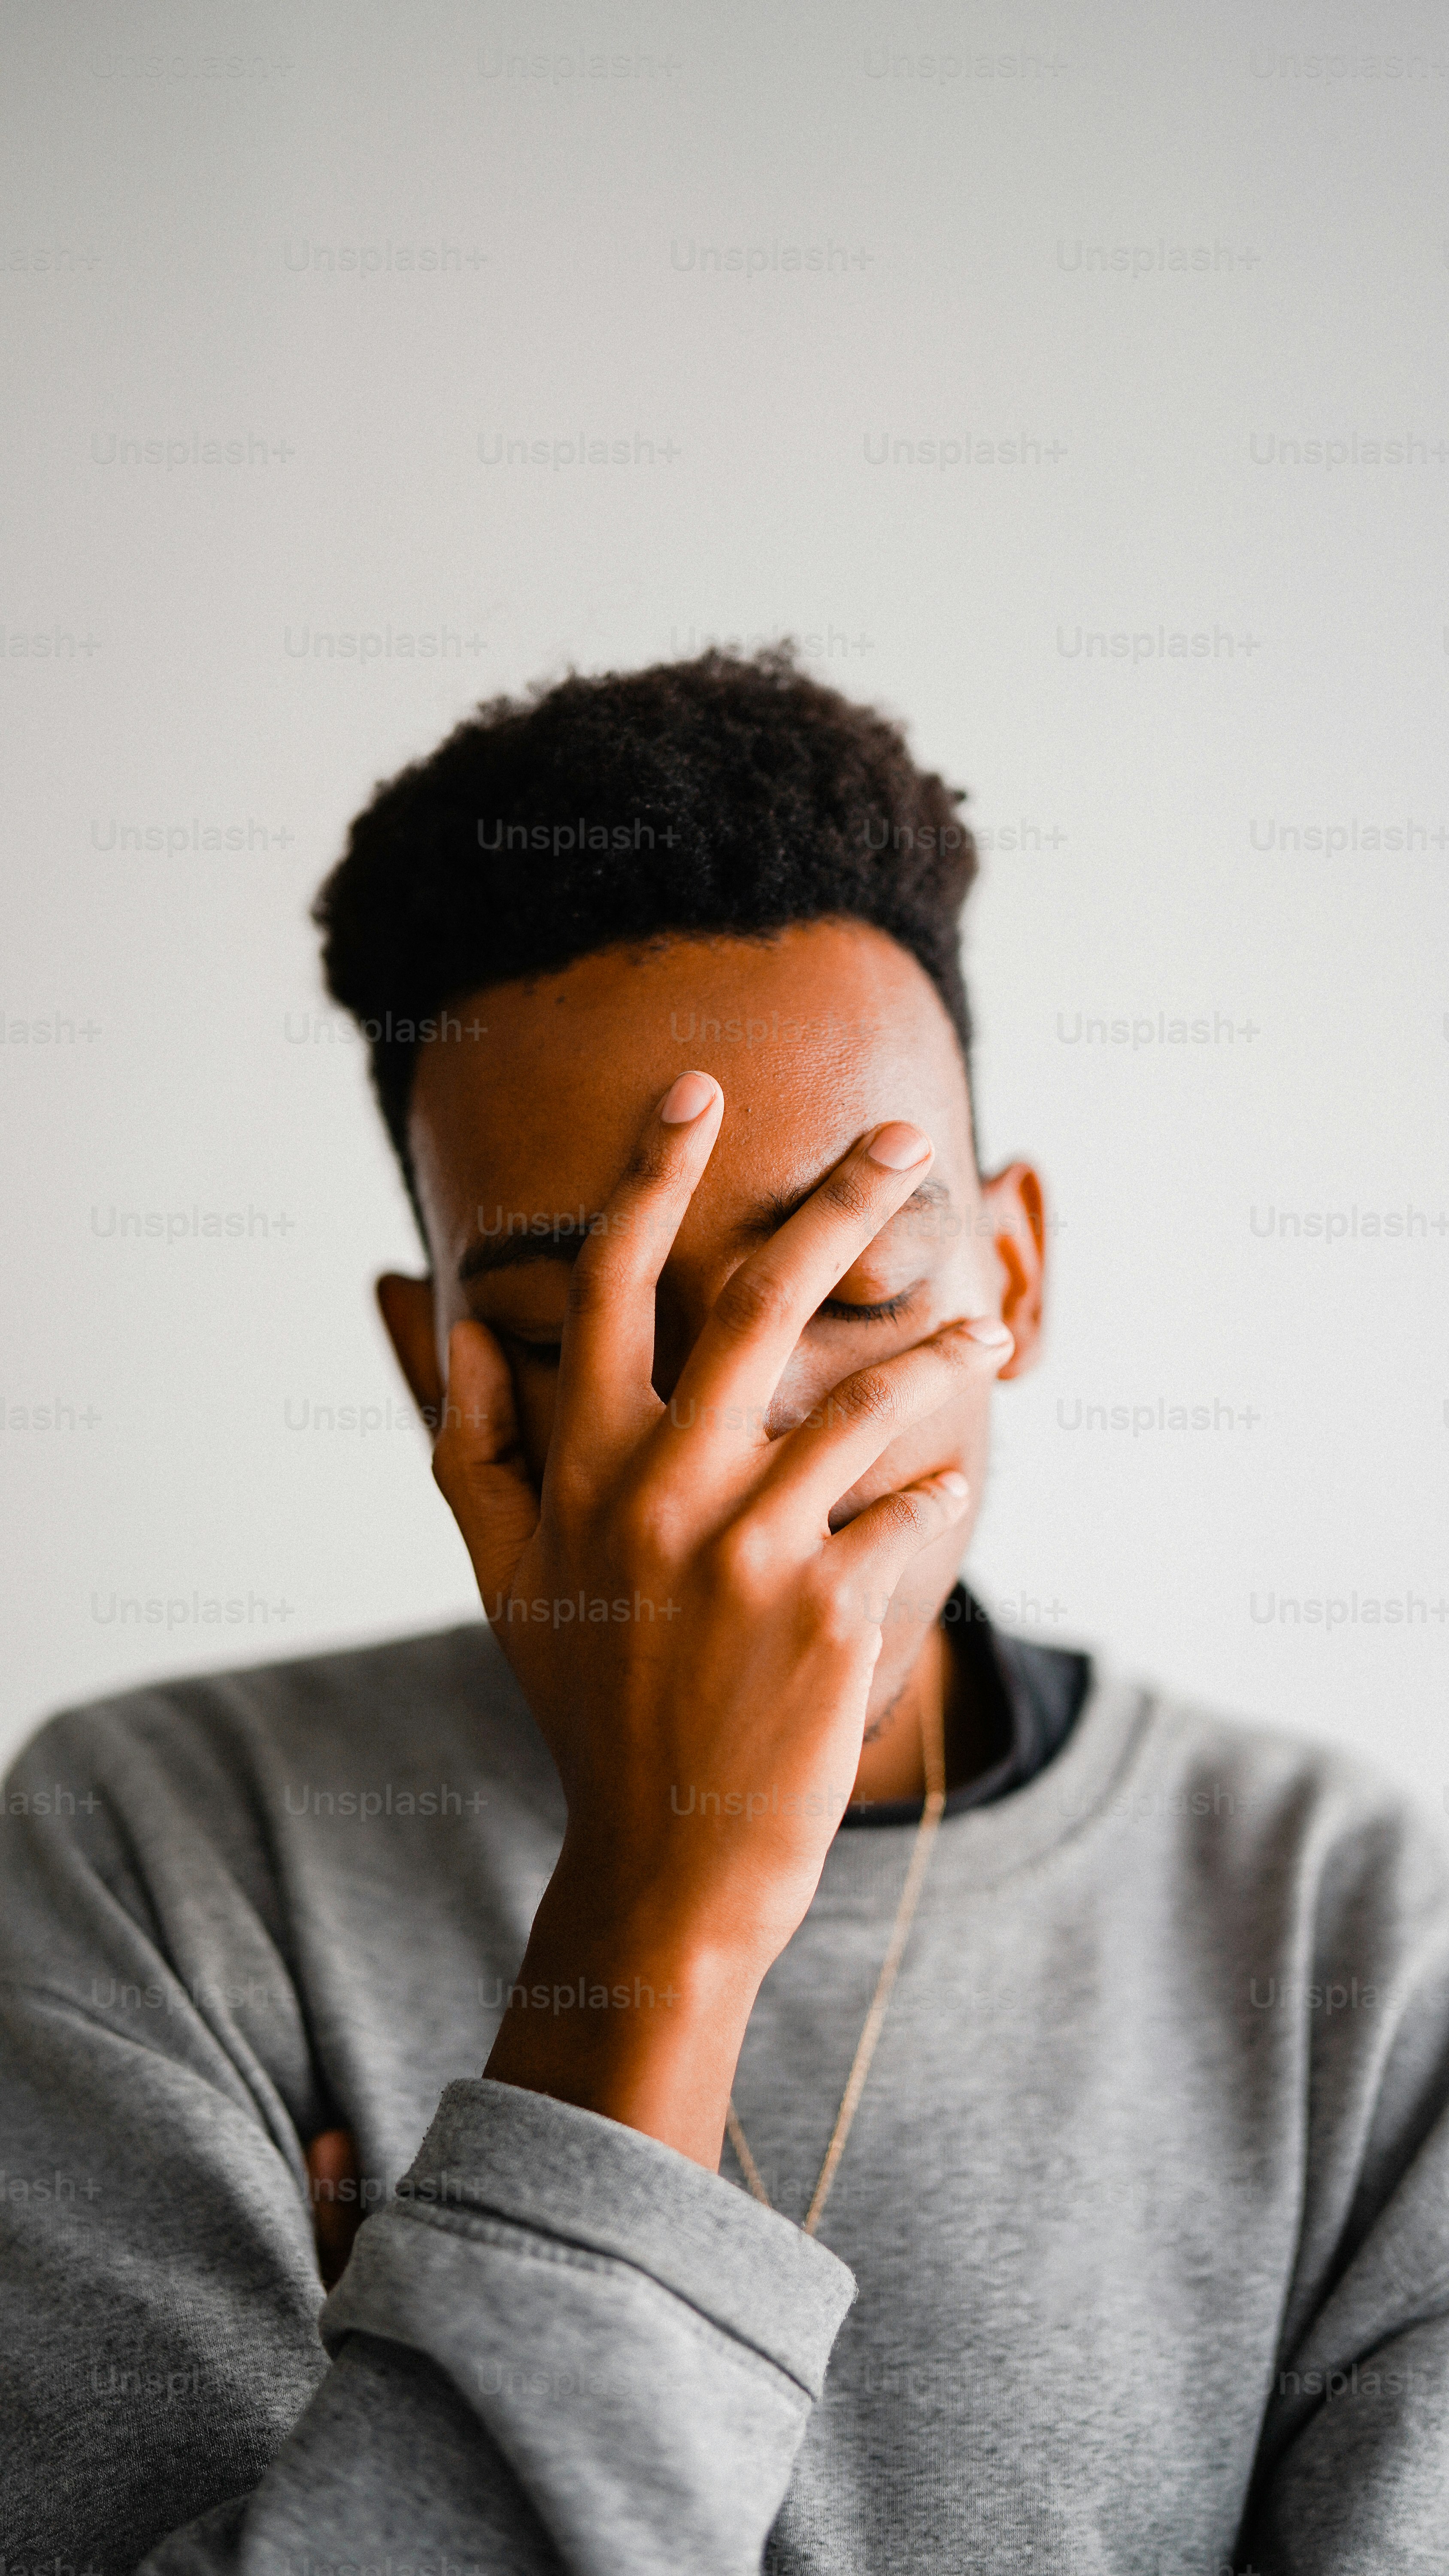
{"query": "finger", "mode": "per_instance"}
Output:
(332, 2184)
(606, 1364)
(864, 1563)
(737, 1363)
(811, 1468)
(478, 1461)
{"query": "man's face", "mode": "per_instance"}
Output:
(825, 1032)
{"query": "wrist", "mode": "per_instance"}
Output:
(705, 1933)
(642, 2030)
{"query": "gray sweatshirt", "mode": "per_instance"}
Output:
(1137, 2263)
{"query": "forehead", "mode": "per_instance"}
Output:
(533, 1093)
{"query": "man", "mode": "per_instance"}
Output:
(1090, 2053)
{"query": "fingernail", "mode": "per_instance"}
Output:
(992, 1336)
(898, 1145)
(951, 1481)
(686, 1098)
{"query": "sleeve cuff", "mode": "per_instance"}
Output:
(587, 2181)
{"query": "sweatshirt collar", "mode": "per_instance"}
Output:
(1031, 1696)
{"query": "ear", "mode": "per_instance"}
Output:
(407, 1310)
(1015, 1206)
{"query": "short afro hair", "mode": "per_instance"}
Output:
(721, 795)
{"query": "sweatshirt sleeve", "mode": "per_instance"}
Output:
(559, 2346)
(1353, 2465)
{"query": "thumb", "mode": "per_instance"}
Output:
(478, 1461)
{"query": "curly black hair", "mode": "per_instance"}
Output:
(725, 794)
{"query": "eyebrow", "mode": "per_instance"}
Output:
(537, 1238)
(544, 1239)
(771, 1214)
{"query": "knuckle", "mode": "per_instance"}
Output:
(646, 1524)
(753, 1299)
(741, 1559)
(837, 1612)
(653, 1160)
(850, 1191)
(462, 1471)
(872, 1395)
(452, 1456)
(904, 1516)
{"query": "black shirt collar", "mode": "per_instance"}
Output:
(1031, 1696)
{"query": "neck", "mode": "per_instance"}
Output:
(892, 1763)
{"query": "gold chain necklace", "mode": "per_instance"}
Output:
(934, 1752)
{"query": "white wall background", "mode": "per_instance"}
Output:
(172, 174)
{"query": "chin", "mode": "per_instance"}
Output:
(903, 1642)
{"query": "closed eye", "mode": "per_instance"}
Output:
(832, 1310)
(836, 1311)
(548, 1352)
